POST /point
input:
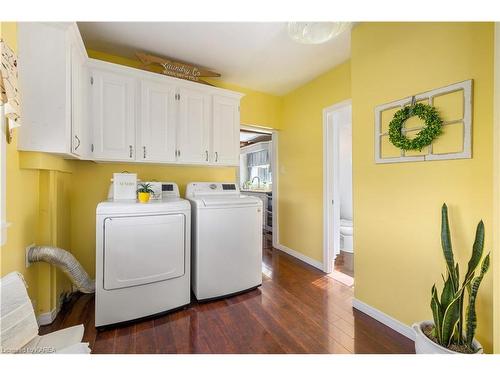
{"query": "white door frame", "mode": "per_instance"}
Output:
(331, 189)
(274, 170)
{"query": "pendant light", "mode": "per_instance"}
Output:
(316, 32)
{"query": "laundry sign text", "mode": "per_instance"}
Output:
(177, 69)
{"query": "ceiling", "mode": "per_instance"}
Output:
(251, 137)
(247, 136)
(256, 55)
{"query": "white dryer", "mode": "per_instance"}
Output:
(142, 257)
(226, 240)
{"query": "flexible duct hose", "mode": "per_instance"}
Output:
(66, 262)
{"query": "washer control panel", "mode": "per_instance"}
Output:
(206, 188)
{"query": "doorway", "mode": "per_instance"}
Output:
(338, 252)
(257, 174)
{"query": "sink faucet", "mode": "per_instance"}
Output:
(258, 179)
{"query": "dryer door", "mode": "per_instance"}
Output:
(143, 249)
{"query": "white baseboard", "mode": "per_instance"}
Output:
(383, 318)
(44, 319)
(302, 257)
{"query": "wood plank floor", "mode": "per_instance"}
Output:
(296, 310)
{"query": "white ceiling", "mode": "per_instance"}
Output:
(256, 55)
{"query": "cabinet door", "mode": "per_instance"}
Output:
(157, 126)
(44, 85)
(193, 127)
(226, 131)
(113, 112)
(77, 100)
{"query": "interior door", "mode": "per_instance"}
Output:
(226, 130)
(193, 127)
(158, 122)
(113, 111)
(143, 249)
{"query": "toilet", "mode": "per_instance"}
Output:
(346, 243)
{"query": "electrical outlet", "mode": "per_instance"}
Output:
(27, 262)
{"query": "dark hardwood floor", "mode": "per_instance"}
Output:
(296, 310)
(341, 266)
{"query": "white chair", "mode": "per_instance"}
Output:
(19, 328)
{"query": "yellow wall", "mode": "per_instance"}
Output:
(397, 206)
(301, 160)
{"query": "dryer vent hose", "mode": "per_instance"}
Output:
(66, 262)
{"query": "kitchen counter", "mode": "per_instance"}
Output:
(256, 190)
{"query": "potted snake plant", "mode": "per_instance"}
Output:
(144, 192)
(451, 331)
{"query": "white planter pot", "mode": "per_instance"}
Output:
(424, 345)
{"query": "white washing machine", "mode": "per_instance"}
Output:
(142, 257)
(226, 240)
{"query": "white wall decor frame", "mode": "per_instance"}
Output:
(466, 120)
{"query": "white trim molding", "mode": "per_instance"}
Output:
(383, 318)
(300, 256)
(331, 194)
(44, 319)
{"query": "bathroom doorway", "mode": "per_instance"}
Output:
(338, 253)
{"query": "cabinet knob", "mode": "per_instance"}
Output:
(216, 157)
(206, 155)
(144, 151)
(78, 144)
(130, 150)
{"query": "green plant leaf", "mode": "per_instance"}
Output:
(437, 313)
(447, 294)
(450, 320)
(447, 249)
(477, 251)
(471, 309)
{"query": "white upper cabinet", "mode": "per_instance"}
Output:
(193, 127)
(84, 108)
(226, 130)
(113, 115)
(51, 67)
(157, 125)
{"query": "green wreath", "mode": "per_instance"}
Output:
(424, 137)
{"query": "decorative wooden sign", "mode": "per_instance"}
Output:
(177, 69)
